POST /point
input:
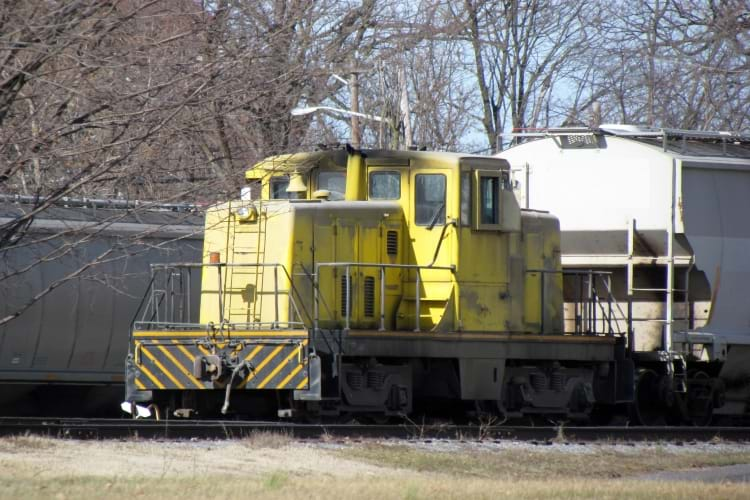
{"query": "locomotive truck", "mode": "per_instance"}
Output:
(383, 283)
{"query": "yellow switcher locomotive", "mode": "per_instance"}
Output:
(374, 283)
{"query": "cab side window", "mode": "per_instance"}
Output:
(429, 199)
(278, 188)
(489, 210)
(335, 182)
(385, 185)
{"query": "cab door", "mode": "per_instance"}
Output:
(431, 207)
(389, 182)
(431, 240)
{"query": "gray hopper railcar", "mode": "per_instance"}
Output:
(63, 354)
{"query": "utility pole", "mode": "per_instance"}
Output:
(404, 105)
(381, 124)
(354, 105)
(354, 71)
(596, 114)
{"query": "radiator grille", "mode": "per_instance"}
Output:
(391, 243)
(369, 296)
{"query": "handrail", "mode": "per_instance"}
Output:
(382, 267)
(155, 293)
(590, 301)
(610, 295)
(202, 327)
(448, 223)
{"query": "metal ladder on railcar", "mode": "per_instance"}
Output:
(254, 307)
(669, 290)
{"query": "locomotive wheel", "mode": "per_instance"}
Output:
(648, 405)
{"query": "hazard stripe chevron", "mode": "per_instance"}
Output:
(190, 356)
(171, 364)
(252, 354)
(182, 368)
(162, 368)
(261, 365)
(168, 363)
(151, 377)
(294, 372)
(303, 384)
(279, 367)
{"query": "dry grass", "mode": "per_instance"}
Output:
(281, 485)
(540, 464)
(267, 439)
(19, 444)
(274, 466)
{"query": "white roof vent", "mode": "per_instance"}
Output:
(622, 129)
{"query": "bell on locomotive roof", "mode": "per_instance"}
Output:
(296, 183)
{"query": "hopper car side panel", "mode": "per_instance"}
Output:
(74, 338)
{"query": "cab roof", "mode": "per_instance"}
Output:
(336, 159)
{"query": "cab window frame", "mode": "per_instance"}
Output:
(335, 173)
(430, 212)
(395, 173)
(495, 179)
(272, 190)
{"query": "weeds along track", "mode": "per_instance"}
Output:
(231, 429)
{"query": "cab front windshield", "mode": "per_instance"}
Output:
(334, 182)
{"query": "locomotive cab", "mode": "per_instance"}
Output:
(456, 217)
(425, 287)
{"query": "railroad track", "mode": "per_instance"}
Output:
(230, 429)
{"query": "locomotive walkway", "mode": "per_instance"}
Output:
(230, 429)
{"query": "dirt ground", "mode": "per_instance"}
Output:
(276, 466)
(174, 458)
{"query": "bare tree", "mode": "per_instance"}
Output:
(413, 59)
(165, 100)
(82, 93)
(522, 51)
(675, 63)
(173, 99)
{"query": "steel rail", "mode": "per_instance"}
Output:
(232, 429)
